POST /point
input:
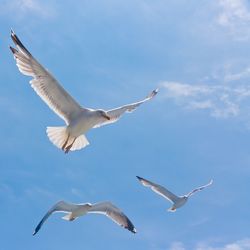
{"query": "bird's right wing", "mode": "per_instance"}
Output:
(159, 190)
(199, 188)
(115, 114)
(45, 85)
(60, 206)
(114, 213)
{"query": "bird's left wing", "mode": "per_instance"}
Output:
(162, 191)
(115, 114)
(60, 206)
(113, 213)
(44, 84)
(199, 189)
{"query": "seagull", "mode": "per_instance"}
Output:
(178, 201)
(76, 210)
(78, 119)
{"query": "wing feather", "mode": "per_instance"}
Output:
(60, 206)
(114, 214)
(199, 188)
(44, 84)
(115, 114)
(159, 190)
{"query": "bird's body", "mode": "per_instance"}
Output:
(178, 201)
(83, 122)
(78, 119)
(73, 211)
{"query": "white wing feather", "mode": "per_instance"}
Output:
(60, 206)
(44, 84)
(116, 113)
(113, 213)
(159, 190)
(199, 189)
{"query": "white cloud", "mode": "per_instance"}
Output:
(177, 246)
(237, 76)
(238, 245)
(21, 8)
(235, 16)
(30, 5)
(222, 101)
(181, 89)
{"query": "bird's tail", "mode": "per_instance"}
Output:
(80, 142)
(68, 217)
(172, 209)
(59, 136)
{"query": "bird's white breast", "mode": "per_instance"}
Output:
(82, 123)
(180, 202)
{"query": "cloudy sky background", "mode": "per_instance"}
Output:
(108, 53)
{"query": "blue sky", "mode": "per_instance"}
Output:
(109, 53)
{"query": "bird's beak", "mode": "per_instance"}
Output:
(107, 117)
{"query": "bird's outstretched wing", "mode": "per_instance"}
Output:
(115, 114)
(159, 190)
(199, 189)
(45, 85)
(113, 213)
(60, 206)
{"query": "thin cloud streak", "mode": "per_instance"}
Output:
(22, 8)
(222, 101)
(235, 17)
(243, 244)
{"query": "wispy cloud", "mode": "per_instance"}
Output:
(20, 8)
(222, 101)
(237, 245)
(234, 15)
(237, 76)
(177, 246)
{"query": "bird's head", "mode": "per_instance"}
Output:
(185, 197)
(103, 113)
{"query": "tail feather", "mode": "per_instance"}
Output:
(59, 135)
(80, 142)
(68, 217)
(172, 209)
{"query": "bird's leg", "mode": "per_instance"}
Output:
(65, 143)
(69, 147)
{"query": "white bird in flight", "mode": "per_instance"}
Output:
(76, 210)
(178, 201)
(78, 119)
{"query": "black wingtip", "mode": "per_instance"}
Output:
(17, 42)
(139, 178)
(132, 230)
(13, 37)
(156, 91)
(130, 226)
(153, 93)
(13, 50)
(37, 228)
(12, 31)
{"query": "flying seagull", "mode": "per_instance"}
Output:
(178, 201)
(78, 119)
(76, 210)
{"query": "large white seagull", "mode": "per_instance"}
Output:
(78, 119)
